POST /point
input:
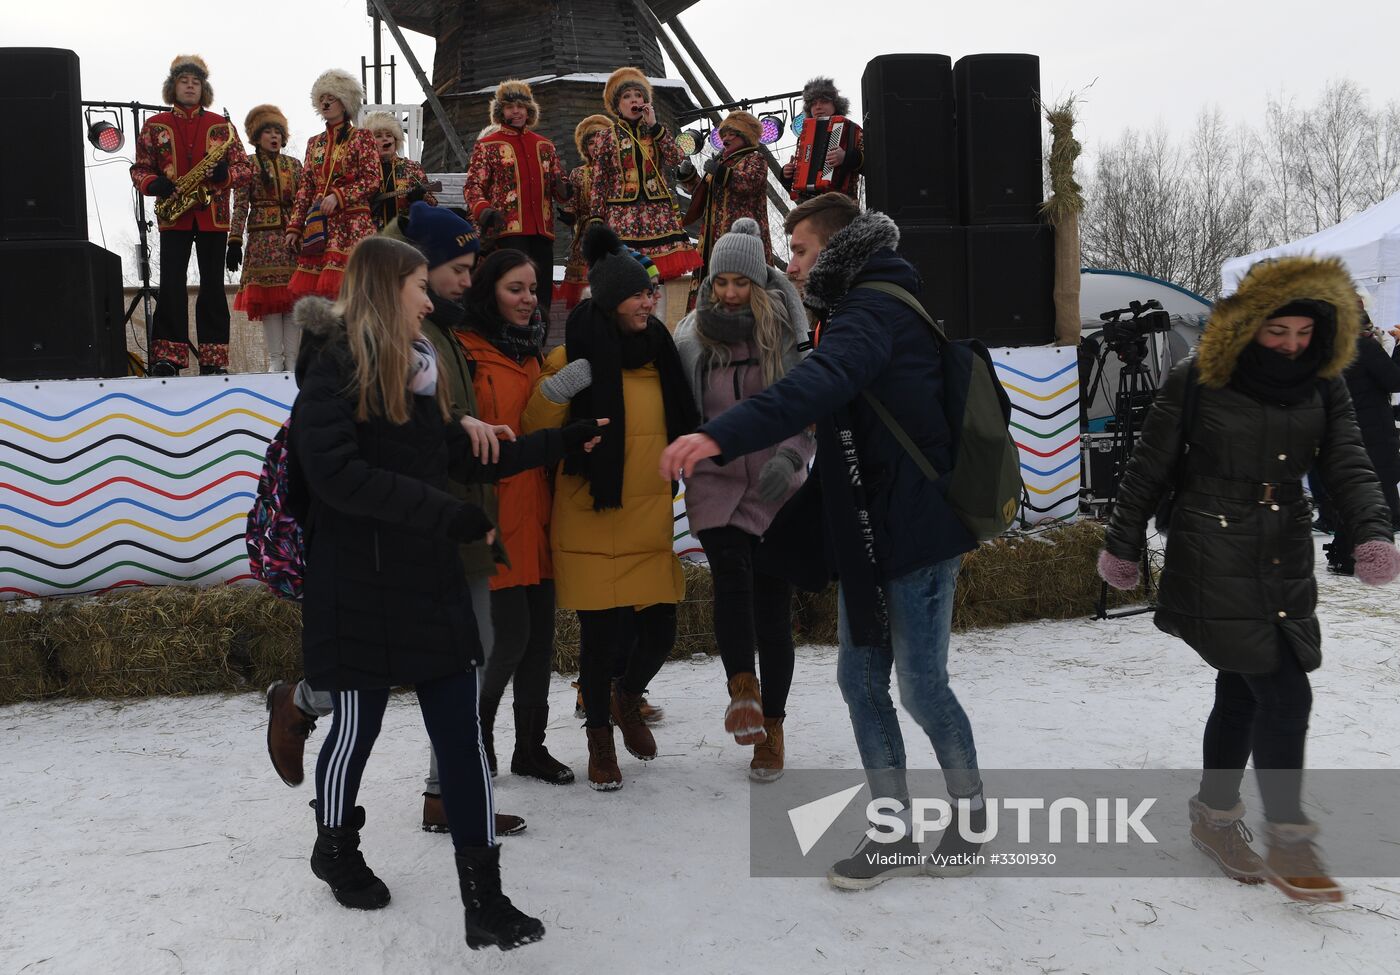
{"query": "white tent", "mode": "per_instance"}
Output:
(1368, 244)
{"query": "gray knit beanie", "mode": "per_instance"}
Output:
(740, 252)
(613, 274)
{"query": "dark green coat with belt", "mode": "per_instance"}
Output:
(1238, 582)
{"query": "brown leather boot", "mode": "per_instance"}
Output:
(603, 773)
(744, 717)
(287, 729)
(627, 715)
(767, 764)
(435, 818)
(1222, 835)
(1293, 864)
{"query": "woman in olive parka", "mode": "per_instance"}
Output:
(1269, 403)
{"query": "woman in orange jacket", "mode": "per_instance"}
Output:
(502, 337)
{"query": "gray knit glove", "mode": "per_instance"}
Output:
(775, 478)
(568, 382)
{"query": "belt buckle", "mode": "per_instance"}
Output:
(1268, 497)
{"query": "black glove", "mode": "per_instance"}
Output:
(419, 192)
(161, 187)
(220, 172)
(711, 165)
(656, 130)
(491, 220)
(468, 524)
(578, 433)
(235, 255)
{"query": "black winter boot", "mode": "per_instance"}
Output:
(337, 860)
(490, 916)
(531, 758)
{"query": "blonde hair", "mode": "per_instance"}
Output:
(379, 333)
(768, 321)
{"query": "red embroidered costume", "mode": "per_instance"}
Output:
(261, 209)
(581, 184)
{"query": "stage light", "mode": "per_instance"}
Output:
(688, 142)
(772, 128)
(797, 119)
(106, 137)
(716, 141)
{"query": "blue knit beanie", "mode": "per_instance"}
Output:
(440, 234)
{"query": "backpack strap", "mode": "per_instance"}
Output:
(894, 290)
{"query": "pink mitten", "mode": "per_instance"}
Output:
(1120, 573)
(1377, 562)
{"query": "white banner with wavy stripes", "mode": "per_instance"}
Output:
(1043, 385)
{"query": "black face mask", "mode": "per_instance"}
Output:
(1272, 377)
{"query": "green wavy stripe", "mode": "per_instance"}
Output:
(1052, 433)
(139, 463)
(243, 557)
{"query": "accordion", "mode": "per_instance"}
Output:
(819, 136)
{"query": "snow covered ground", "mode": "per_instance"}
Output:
(153, 836)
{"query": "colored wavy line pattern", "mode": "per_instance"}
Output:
(134, 503)
(241, 516)
(127, 480)
(1032, 450)
(1044, 436)
(1052, 471)
(64, 567)
(1035, 379)
(55, 481)
(1055, 487)
(174, 577)
(236, 391)
(1072, 496)
(1072, 404)
(238, 411)
(173, 454)
(1046, 398)
(137, 583)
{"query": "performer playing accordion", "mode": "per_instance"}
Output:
(838, 169)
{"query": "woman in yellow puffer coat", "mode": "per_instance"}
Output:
(611, 531)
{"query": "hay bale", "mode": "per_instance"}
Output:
(25, 671)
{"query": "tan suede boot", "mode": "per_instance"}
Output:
(603, 773)
(1222, 835)
(744, 717)
(767, 764)
(627, 715)
(1293, 864)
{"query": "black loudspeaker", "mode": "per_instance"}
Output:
(999, 153)
(939, 254)
(42, 187)
(61, 314)
(1010, 284)
(910, 156)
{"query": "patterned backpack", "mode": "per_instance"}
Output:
(276, 551)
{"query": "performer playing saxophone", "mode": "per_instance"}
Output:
(189, 159)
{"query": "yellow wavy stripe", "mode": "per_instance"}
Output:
(1051, 490)
(1044, 399)
(127, 521)
(149, 426)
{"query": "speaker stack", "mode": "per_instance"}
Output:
(60, 296)
(953, 156)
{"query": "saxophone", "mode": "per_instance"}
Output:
(192, 190)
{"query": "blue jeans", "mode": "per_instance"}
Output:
(920, 605)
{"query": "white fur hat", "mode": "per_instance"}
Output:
(342, 85)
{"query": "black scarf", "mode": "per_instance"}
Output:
(729, 327)
(515, 342)
(592, 334)
(1272, 377)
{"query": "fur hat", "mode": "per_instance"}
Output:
(741, 252)
(745, 124)
(514, 90)
(586, 128)
(342, 85)
(384, 122)
(614, 275)
(188, 64)
(824, 87)
(440, 234)
(1271, 287)
(619, 81)
(261, 117)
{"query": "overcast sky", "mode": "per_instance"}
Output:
(1146, 62)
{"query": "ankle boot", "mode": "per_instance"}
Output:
(435, 818)
(744, 717)
(531, 758)
(603, 773)
(491, 918)
(288, 727)
(767, 764)
(1222, 835)
(337, 860)
(627, 715)
(1294, 866)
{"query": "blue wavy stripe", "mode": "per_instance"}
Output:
(144, 507)
(1036, 379)
(146, 403)
(1054, 470)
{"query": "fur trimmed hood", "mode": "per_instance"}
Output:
(621, 79)
(824, 87)
(188, 64)
(342, 85)
(844, 255)
(1268, 286)
(316, 316)
(260, 117)
(514, 90)
(594, 123)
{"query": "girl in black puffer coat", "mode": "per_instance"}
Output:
(386, 601)
(1238, 583)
